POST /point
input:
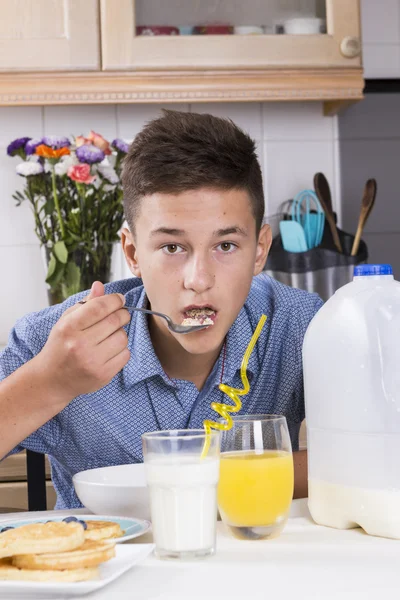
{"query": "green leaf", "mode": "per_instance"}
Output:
(73, 278)
(61, 252)
(58, 274)
(51, 268)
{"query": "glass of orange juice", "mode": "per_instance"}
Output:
(256, 479)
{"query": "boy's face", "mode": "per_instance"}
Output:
(193, 250)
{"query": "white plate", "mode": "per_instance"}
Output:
(126, 557)
(132, 527)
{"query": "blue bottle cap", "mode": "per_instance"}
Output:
(365, 270)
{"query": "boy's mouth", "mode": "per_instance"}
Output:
(199, 315)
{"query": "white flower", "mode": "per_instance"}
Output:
(109, 174)
(63, 165)
(29, 168)
(75, 211)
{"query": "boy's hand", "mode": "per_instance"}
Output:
(87, 347)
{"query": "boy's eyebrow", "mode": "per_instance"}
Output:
(229, 231)
(168, 231)
(217, 233)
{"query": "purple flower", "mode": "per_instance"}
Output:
(120, 145)
(56, 142)
(32, 145)
(89, 154)
(17, 146)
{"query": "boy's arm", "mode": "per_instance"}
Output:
(85, 349)
(300, 474)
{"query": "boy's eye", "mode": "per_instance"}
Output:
(227, 247)
(172, 249)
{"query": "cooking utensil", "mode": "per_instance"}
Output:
(312, 222)
(367, 204)
(293, 236)
(171, 325)
(323, 191)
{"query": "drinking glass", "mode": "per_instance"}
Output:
(183, 491)
(256, 482)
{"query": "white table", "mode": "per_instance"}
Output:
(305, 562)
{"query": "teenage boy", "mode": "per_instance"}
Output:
(82, 382)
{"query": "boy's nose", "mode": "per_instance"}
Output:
(199, 275)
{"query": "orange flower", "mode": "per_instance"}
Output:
(98, 141)
(81, 173)
(48, 152)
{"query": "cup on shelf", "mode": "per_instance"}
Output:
(213, 29)
(248, 30)
(185, 29)
(156, 30)
(304, 25)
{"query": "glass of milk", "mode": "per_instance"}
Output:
(183, 491)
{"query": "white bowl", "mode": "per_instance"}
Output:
(120, 491)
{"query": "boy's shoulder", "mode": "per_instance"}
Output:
(36, 326)
(268, 294)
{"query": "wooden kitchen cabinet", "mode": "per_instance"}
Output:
(191, 68)
(123, 49)
(49, 34)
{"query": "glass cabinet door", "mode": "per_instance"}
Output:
(230, 34)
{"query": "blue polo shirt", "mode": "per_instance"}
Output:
(104, 428)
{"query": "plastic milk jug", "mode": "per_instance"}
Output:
(351, 358)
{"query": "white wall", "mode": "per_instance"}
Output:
(294, 141)
(380, 25)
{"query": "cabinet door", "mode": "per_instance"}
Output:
(49, 35)
(256, 34)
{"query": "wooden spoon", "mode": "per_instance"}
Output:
(367, 204)
(323, 192)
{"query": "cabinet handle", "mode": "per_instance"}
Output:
(350, 46)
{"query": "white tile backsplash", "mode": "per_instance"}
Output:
(79, 120)
(245, 114)
(16, 222)
(380, 25)
(294, 140)
(20, 121)
(380, 21)
(24, 289)
(290, 168)
(132, 117)
(375, 118)
(364, 159)
(296, 122)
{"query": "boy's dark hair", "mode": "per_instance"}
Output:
(181, 151)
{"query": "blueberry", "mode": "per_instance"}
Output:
(70, 519)
(82, 523)
(5, 529)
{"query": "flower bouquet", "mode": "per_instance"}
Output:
(74, 189)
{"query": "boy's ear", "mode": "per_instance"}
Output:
(129, 248)
(263, 246)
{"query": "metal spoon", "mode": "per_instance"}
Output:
(171, 325)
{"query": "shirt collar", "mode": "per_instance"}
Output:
(144, 362)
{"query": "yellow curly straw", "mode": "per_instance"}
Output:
(224, 409)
